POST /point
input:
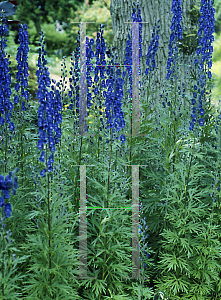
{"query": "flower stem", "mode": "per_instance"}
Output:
(21, 132)
(6, 143)
(49, 222)
(130, 144)
(115, 167)
(108, 180)
(189, 174)
(78, 175)
(3, 249)
(174, 135)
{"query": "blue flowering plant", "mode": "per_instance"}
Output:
(181, 176)
(179, 179)
(8, 274)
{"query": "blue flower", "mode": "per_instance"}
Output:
(206, 25)
(201, 111)
(155, 47)
(22, 59)
(42, 157)
(5, 87)
(8, 210)
(176, 31)
(114, 84)
(201, 121)
(50, 102)
(42, 173)
(2, 201)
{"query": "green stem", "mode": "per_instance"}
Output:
(3, 249)
(130, 195)
(49, 222)
(108, 187)
(98, 145)
(115, 168)
(21, 132)
(59, 152)
(188, 174)
(99, 93)
(108, 180)
(78, 175)
(174, 140)
(6, 143)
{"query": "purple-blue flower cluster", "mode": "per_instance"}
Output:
(89, 55)
(114, 100)
(154, 48)
(128, 52)
(5, 83)
(75, 77)
(6, 185)
(176, 30)
(22, 59)
(50, 104)
(206, 24)
(114, 93)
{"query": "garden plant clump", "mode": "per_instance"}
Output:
(179, 176)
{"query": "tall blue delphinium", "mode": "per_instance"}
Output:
(99, 82)
(75, 77)
(22, 59)
(47, 243)
(74, 87)
(51, 108)
(152, 47)
(128, 57)
(112, 95)
(5, 89)
(113, 103)
(176, 31)
(206, 25)
(74, 106)
(89, 56)
(128, 53)
(22, 79)
(10, 182)
(114, 114)
(128, 70)
(89, 82)
(74, 93)
(176, 34)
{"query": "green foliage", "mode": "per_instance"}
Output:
(217, 6)
(63, 257)
(183, 230)
(216, 47)
(49, 11)
(98, 13)
(55, 39)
